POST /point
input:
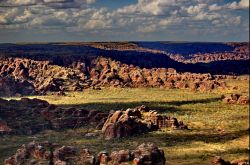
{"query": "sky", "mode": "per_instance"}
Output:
(123, 20)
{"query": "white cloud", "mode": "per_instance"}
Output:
(196, 9)
(243, 4)
(21, 2)
(214, 7)
(24, 17)
(147, 29)
(146, 16)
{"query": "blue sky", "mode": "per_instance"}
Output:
(123, 20)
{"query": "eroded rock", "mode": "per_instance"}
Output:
(236, 99)
(138, 120)
(34, 115)
(54, 154)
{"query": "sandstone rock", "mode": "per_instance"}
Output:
(34, 115)
(236, 99)
(121, 156)
(243, 100)
(86, 157)
(219, 161)
(103, 158)
(4, 128)
(148, 154)
(20, 76)
(138, 120)
(49, 153)
(27, 153)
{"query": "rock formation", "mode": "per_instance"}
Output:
(54, 154)
(19, 76)
(34, 115)
(138, 120)
(219, 161)
(236, 99)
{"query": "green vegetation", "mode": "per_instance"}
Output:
(216, 128)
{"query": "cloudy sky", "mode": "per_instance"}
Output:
(124, 20)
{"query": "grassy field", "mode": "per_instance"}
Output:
(216, 128)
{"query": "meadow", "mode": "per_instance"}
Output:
(215, 128)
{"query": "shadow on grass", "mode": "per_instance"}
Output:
(199, 101)
(161, 107)
(206, 137)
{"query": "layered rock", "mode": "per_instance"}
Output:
(54, 154)
(138, 120)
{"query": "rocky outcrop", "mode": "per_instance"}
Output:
(11, 87)
(138, 120)
(240, 51)
(34, 115)
(236, 99)
(148, 154)
(27, 77)
(19, 76)
(219, 161)
(112, 73)
(4, 128)
(54, 154)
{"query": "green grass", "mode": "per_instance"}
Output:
(216, 128)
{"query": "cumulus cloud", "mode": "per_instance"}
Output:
(214, 7)
(56, 3)
(243, 4)
(145, 16)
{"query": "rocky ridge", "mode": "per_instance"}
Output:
(20, 76)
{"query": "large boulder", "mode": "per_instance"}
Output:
(148, 154)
